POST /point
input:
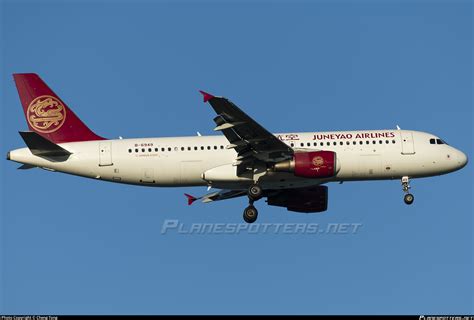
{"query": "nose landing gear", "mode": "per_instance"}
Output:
(254, 193)
(408, 198)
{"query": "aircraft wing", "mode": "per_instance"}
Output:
(250, 140)
(216, 196)
(307, 199)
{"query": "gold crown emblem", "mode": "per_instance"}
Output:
(46, 114)
(318, 161)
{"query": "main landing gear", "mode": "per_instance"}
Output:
(254, 193)
(250, 214)
(408, 198)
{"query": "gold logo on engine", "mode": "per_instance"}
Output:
(46, 114)
(318, 161)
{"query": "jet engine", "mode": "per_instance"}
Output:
(315, 164)
(307, 200)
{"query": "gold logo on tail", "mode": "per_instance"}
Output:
(46, 114)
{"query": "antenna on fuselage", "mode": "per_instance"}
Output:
(398, 128)
(198, 133)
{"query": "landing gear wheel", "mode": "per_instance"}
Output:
(408, 198)
(255, 192)
(250, 214)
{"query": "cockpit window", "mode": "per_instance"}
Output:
(437, 141)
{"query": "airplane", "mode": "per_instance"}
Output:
(290, 170)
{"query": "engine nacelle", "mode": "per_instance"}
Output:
(315, 164)
(308, 200)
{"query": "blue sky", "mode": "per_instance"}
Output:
(133, 69)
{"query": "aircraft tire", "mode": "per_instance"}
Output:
(409, 198)
(250, 214)
(255, 192)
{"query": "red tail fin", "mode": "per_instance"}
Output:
(47, 114)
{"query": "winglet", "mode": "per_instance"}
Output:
(207, 96)
(191, 199)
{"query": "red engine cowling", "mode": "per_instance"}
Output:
(315, 164)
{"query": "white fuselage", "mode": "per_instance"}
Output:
(205, 160)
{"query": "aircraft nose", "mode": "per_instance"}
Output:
(462, 159)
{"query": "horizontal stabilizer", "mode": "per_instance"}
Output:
(42, 147)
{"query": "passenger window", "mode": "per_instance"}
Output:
(129, 150)
(328, 143)
(143, 149)
(354, 142)
(380, 141)
(156, 149)
(432, 141)
(341, 143)
(321, 144)
(202, 147)
(387, 142)
(169, 148)
(222, 147)
(149, 149)
(393, 141)
(348, 142)
(367, 142)
(361, 142)
(302, 144)
(292, 144)
(215, 147)
(334, 143)
(374, 142)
